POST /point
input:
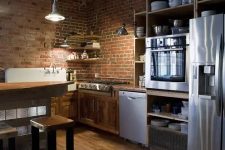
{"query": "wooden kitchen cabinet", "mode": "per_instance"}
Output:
(87, 108)
(65, 106)
(99, 111)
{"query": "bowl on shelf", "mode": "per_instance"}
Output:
(185, 103)
(208, 13)
(175, 126)
(157, 5)
(159, 122)
(161, 29)
(174, 3)
(184, 128)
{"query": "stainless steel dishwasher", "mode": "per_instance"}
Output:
(133, 116)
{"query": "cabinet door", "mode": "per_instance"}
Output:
(65, 105)
(107, 111)
(54, 106)
(87, 108)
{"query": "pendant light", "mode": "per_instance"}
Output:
(54, 15)
(122, 30)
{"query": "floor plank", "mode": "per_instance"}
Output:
(90, 139)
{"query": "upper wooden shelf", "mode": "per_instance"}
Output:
(167, 116)
(89, 60)
(84, 48)
(142, 13)
(140, 38)
(209, 1)
(181, 10)
(89, 37)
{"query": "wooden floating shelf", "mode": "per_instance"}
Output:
(209, 1)
(140, 38)
(90, 60)
(171, 11)
(142, 13)
(167, 116)
(91, 37)
(84, 48)
(139, 62)
(172, 94)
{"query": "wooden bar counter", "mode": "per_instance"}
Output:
(32, 90)
(21, 102)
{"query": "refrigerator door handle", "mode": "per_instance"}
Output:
(223, 79)
(218, 75)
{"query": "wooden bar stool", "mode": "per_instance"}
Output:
(7, 132)
(50, 125)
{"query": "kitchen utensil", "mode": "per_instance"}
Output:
(185, 2)
(175, 110)
(140, 31)
(208, 13)
(177, 22)
(185, 103)
(156, 5)
(161, 29)
(184, 128)
(174, 3)
(142, 57)
(159, 122)
(175, 126)
(178, 30)
(184, 111)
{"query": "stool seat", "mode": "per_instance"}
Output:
(51, 123)
(6, 131)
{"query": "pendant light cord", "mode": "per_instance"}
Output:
(54, 6)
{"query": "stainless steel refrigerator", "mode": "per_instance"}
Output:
(206, 128)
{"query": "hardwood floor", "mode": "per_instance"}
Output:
(86, 139)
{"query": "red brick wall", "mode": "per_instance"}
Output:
(117, 51)
(28, 40)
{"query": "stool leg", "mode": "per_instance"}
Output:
(51, 140)
(35, 138)
(69, 139)
(11, 143)
(1, 144)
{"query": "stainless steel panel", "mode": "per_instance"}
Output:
(204, 128)
(22, 112)
(10, 114)
(223, 78)
(174, 86)
(204, 33)
(2, 115)
(41, 110)
(133, 116)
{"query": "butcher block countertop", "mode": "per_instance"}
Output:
(32, 90)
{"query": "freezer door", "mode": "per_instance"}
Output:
(223, 88)
(204, 34)
(205, 119)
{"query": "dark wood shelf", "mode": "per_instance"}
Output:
(210, 1)
(85, 48)
(139, 62)
(140, 38)
(181, 10)
(142, 13)
(88, 37)
(167, 116)
(89, 60)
